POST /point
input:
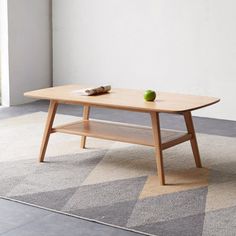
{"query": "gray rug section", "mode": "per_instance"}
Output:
(56, 174)
(105, 193)
(17, 168)
(8, 183)
(220, 222)
(168, 207)
(55, 199)
(217, 177)
(185, 226)
(116, 213)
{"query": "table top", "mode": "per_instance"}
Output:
(127, 99)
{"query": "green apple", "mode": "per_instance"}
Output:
(149, 95)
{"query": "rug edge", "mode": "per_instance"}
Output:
(78, 217)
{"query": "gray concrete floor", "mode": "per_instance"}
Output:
(18, 219)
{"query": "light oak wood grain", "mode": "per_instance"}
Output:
(127, 99)
(193, 140)
(122, 132)
(48, 129)
(86, 112)
(157, 143)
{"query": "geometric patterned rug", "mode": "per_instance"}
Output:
(116, 183)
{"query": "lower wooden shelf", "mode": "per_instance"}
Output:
(122, 132)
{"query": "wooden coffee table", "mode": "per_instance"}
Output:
(125, 99)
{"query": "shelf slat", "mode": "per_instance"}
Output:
(122, 132)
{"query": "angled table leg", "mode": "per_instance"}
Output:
(48, 128)
(157, 142)
(193, 141)
(86, 112)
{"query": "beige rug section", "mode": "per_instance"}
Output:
(21, 137)
(177, 181)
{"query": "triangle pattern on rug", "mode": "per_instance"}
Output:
(219, 176)
(7, 184)
(186, 226)
(67, 171)
(56, 199)
(168, 207)
(116, 213)
(220, 222)
(120, 163)
(104, 194)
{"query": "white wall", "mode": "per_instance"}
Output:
(29, 47)
(169, 45)
(4, 65)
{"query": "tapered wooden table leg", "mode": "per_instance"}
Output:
(48, 128)
(191, 130)
(157, 142)
(86, 112)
